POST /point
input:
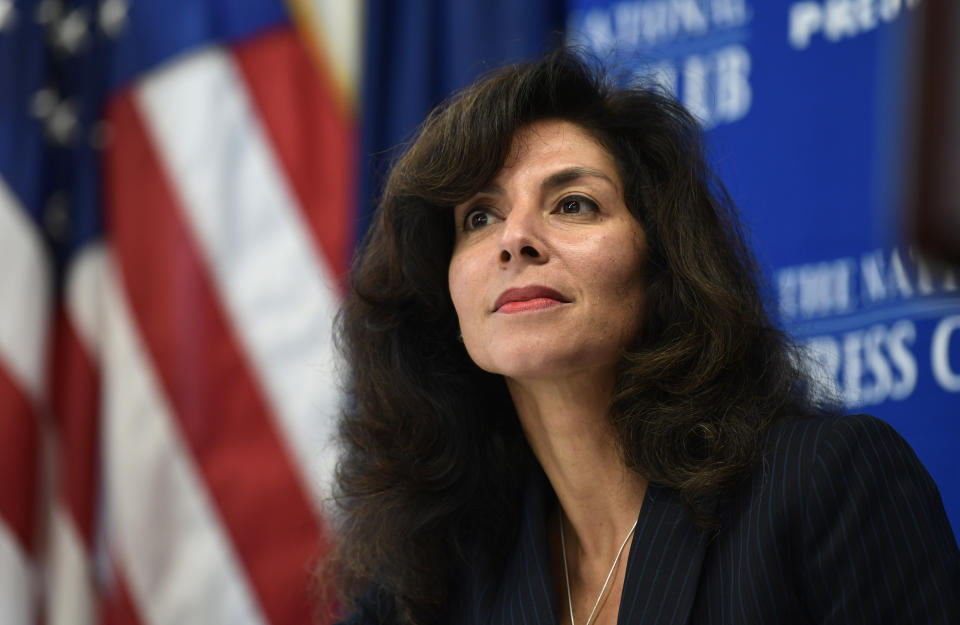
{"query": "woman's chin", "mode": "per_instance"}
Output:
(542, 365)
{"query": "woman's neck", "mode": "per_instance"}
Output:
(567, 426)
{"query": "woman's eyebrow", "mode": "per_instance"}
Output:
(554, 180)
(564, 176)
(491, 188)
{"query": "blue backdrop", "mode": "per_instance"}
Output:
(807, 105)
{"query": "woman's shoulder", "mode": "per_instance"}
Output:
(824, 459)
(845, 480)
(857, 518)
(815, 443)
(809, 432)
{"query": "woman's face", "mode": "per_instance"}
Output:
(546, 270)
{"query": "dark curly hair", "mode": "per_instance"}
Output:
(432, 450)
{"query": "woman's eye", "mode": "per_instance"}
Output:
(576, 205)
(477, 218)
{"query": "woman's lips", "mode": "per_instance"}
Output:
(528, 298)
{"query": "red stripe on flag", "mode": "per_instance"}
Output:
(315, 143)
(19, 440)
(75, 394)
(117, 608)
(215, 396)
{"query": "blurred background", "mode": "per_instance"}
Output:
(182, 183)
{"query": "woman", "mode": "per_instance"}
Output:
(569, 402)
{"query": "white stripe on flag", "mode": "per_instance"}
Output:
(165, 534)
(24, 295)
(83, 298)
(337, 27)
(69, 582)
(24, 310)
(16, 582)
(239, 205)
(70, 594)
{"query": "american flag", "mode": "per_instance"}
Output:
(176, 215)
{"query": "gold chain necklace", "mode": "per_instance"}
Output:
(566, 574)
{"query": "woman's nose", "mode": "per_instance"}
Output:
(521, 237)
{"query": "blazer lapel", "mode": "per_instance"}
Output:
(664, 565)
(526, 594)
(663, 568)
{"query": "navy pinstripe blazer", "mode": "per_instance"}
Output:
(840, 523)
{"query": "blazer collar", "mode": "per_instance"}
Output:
(663, 567)
(665, 562)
